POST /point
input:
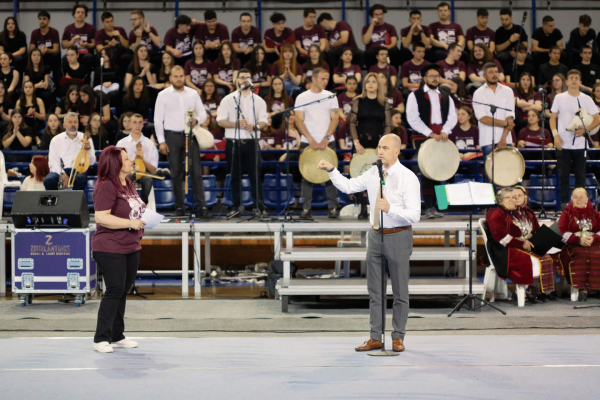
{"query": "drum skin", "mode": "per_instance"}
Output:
(309, 161)
(510, 167)
(438, 160)
(362, 162)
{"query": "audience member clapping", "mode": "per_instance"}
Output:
(288, 69)
(141, 66)
(17, 136)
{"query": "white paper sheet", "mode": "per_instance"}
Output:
(151, 218)
(459, 194)
(482, 193)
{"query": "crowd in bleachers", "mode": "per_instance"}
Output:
(106, 75)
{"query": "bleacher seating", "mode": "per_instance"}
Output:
(246, 192)
(275, 188)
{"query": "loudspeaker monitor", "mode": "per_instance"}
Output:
(50, 208)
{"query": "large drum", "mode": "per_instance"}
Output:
(361, 163)
(309, 161)
(438, 160)
(510, 167)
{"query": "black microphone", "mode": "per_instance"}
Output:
(542, 90)
(379, 164)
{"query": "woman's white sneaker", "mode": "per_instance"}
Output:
(103, 347)
(125, 343)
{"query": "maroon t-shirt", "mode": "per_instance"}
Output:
(534, 138)
(335, 34)
(278, 105)
(446, 34)
(350, 71)
(274, 69)
(246, 39)
(382, 35)
(272, 40)
(396, 100)
(103, 38)
(220, 34)
(260, 75)
(343, 133)
(211, 105)
(402, 133)
(486, 36)
(179, 41)
(47, 40)
(225, 73)
(127, 205)
(86, 33)
(345, 103)
(198, 72)
(522, 114)
(280, 139)
(310, 37)
(309, 71)
(477, 68)
(388, 69)
(465, 139)
(412, 71)
(416, 38)
(144, 39)
(449, 71)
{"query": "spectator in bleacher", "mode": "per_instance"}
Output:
(481, 33)
(288, 69)
(245, 38)
(162, 76)
(465, 134)
(590, 73)
(383, 65)
(341, 38)
(39, 170)
(410, 73)
(124, 126)
(309, 34)
(97, 132)
(526, 99)
(459, 90)
(444, 33)
(557, 86)
(596, 94)
(277, 100)
(80, 36)
(198, 69)
(47, 40)
(137, 100)
(580, 37)
(345, 103)
(210, 98)
(380, 34)
(276, 36)
(40, 77)
(399, 130)
(90, 102)
(315, 59)
(17, 136)
(413, 34)
(211, 34)
(9, 77)
(14, 43)
(114, 38)
(508, 38)
(141, 66)
(570, 146)
(393, 95)
(480, 56)
(73, 73)
(111, 77)
(32, 108)
(178, 40)
(292, 143)
(521, 66)
(259, 68)
(145, 35)
(544, 39)
(53, 128)
(345, 69)
(6, 105)
(552, 67)
(69, 103)
(225, 69)
(452, 67)
(148, 153)
(531, 135)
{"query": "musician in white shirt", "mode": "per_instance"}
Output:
(148, 153)
(171, 124)
(66, 146)
(570, 146)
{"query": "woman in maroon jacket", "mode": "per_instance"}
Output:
(116, 245)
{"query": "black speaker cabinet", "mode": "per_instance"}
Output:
(50, 208)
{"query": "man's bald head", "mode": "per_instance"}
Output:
(391, 140)
(388, 149)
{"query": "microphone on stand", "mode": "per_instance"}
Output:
(248, 84)
(379, 164)
(542, 90)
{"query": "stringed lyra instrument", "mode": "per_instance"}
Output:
(139, 160)
(81, 163)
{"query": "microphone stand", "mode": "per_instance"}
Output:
(62, 171)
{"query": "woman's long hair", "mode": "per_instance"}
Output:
(253, 66)
(162, 73)
(321, 63)
(47, 130)
(41, 68)
(68, 104)
(530, 92)
(564, 86)
(285, 99)
(109, 168)
(41, 167)
(461, 88)
(380, 89)
(281, 64)
(136, 59)
(88, 127)
(341, 61)
(221, 59)
(487, 55)
(144, 96)
(4, 33)
(11, 126)
(87, 109)
(23, 97)
(214, 96)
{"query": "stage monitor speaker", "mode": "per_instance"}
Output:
(50, 209)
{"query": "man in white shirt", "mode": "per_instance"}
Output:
(65, 147)
(570, 146)
(401, 206)
(243, 114)
(432, 114)
(147, 152)
(171, 124)
(317, 123)
(503, 121)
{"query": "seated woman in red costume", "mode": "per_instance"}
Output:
(521, 200)
(512, 228)
(580, 259)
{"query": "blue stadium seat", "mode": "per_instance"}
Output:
(589, 180)
(9, 195)
(275, 197)
(89, 190)
(246, 192)
(163, 193)
(551, 196)
(210, 193)
(166, 183)
(536, 180)
(468, 177)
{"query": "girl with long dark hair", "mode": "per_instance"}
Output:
(53, 128)
(32, 108)
(259, 70)
(14, 43)
(37, 74)
(141, 66)
(225, 69)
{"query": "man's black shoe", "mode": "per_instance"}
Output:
(205, 213)
(179, 212)
(306, 214)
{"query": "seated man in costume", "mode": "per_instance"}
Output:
(580, 259)
(510, 249)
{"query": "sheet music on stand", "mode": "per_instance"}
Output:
(465, 194)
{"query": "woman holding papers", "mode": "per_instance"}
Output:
(580, 259)
(116, 245)
(512, 228)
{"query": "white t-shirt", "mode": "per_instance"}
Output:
(317, 116)
(30, 184)
(566, 106)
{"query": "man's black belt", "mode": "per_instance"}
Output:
(175, 132)
(243, 141)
